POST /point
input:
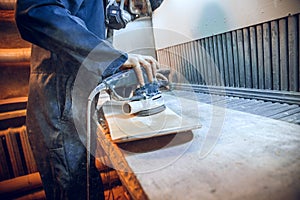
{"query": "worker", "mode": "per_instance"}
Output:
(63, 34)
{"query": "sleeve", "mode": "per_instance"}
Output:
(51, 25)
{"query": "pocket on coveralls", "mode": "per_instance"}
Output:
(65, 86)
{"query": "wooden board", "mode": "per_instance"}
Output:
(124, 127)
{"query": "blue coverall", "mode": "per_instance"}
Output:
(63, 33)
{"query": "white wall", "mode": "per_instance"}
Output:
(178, 21)
(137, 37)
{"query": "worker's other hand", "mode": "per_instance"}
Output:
(137, 61)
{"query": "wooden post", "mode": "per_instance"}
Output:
(20, 184)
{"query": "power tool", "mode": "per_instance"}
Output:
(123, 87)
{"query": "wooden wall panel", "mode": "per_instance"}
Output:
(235, 59)
(212, 62)
(248, 74)
(254, 64)
(195, 56)
(275, 54)
(260, 57)
(293, 53)
(193, 70)
(205, 62)
(230, 59)
(267, 56)
(263, 56)
(283, 61)
(241, 58)
(216, 60)
(201, 61)
(221, 60)
(225, 57)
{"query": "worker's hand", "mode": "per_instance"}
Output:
(137, 61)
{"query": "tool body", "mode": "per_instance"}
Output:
(124, 88)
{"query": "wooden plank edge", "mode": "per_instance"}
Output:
(126, 175)
(13, 100)
(13, 114)
(20, 184)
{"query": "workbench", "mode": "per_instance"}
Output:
(234, 155)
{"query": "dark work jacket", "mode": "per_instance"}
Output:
(68, 52)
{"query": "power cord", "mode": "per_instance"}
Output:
(91, 97)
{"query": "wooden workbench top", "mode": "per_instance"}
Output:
(234, 155)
